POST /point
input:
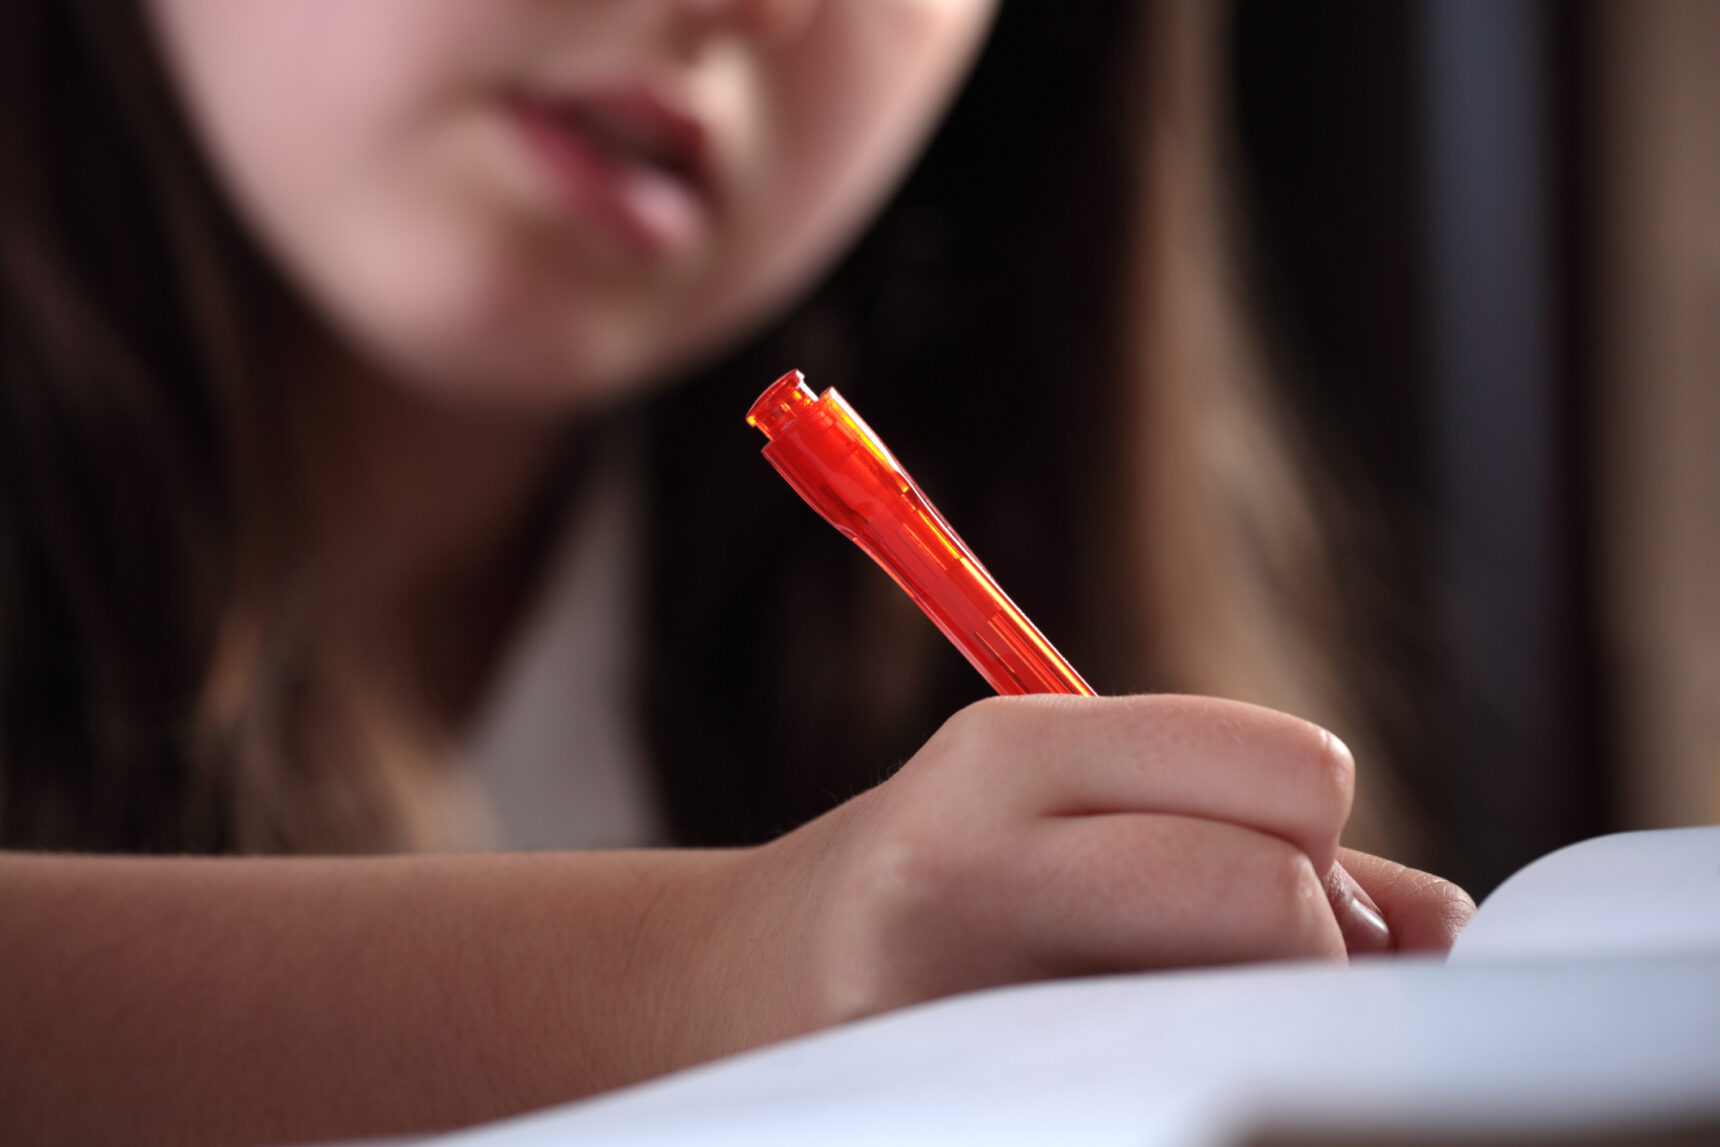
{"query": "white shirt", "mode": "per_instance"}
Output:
(554, 749)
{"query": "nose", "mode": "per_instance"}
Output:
(771, 21)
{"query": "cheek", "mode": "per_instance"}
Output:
(848, 109)
(294, 98)
(349, 137)
(853, 108)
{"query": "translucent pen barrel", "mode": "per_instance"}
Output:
(834, 460)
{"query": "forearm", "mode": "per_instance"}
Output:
(201, 1000)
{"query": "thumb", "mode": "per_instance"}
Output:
(1424, 912)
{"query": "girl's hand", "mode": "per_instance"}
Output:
(1036, 837)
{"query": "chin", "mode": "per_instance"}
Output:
(554, 373)
(473, 328)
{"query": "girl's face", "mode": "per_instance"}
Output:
(548, 201)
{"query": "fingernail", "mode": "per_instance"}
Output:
(1365, 931)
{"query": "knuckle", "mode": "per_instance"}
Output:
(1289, 874)
(1003, 719)
(998, 733)
(1297, 912)
(970, 733)
(1337, 766)
(981, 719)
(1327, 770)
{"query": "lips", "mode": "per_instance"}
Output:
(628, 160)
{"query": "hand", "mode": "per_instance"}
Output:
(1036, 837)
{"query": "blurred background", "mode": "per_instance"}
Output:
(1490, 236)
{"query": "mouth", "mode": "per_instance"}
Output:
(631, 159)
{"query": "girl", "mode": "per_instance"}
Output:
(324, 321)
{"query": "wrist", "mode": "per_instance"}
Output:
(759, 955)
(708, 956)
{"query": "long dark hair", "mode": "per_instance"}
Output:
(996, 324)
(154, 692)
(118, 468)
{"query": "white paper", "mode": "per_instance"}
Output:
(1633, 893)
(1206, 1058)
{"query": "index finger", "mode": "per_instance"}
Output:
(1185, 756)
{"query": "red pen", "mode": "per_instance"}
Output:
(835, 461)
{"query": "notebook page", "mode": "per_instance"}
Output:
(1627, 894)
(1206, 1059)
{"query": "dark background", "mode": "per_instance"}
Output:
(1416, 179)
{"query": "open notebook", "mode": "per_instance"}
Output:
(1582, 1005)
